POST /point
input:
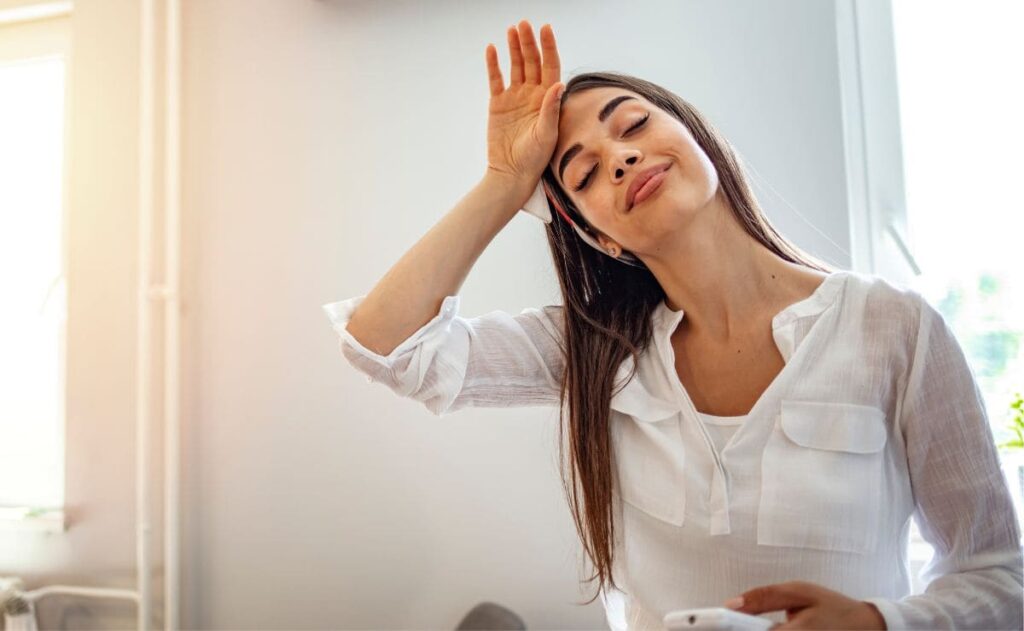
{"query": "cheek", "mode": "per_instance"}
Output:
(605, 220)
(696, 158)
(703, 170)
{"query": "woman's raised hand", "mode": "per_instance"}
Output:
(522, 125)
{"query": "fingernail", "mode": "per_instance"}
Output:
(734, 603)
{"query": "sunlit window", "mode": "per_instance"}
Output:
(958, 66)
(32, 291)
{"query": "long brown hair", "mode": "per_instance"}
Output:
(607, 317)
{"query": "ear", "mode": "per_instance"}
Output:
(606, 243)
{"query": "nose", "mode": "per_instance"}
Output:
(618, 166)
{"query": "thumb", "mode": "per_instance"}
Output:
(551, 108)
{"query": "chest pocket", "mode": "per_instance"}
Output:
(648, 453)
(821, 477)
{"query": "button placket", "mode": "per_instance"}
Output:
(718, 496)
(720, 524)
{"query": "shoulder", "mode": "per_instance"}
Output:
(553, 316)
(882, 300)
(892, 313)
(549, 319)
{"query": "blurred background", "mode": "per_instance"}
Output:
(183, 184)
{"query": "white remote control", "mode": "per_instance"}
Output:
(715, 618)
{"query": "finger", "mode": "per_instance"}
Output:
(495, 82)
(551, 70)
(550, 109)
(531, 55)
(515, 55)
(790, 595)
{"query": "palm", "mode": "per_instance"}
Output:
(520, 137)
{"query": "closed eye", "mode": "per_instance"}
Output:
(579, 187)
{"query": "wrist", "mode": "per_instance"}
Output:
(515, 190)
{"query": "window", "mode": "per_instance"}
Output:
(961, 135)
(33, 56)
(932, 139)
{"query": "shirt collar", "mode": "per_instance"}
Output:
(665, 319)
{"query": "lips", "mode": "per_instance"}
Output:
(640, 179)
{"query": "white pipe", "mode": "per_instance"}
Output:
(172, 315)
(68, 590)
(147, 62)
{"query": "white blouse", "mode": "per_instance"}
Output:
(720, 428)
(875, 417)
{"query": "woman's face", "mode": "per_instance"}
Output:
(601, 145)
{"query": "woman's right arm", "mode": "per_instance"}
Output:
(406, 332)
(411, 292)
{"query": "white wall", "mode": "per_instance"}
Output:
(322, 138)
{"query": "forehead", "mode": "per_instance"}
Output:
(579, 114)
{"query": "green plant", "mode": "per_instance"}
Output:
(1015, 425)
(38, 511)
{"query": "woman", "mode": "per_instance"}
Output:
(744, 421)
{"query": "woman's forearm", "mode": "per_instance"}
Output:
(411, 292)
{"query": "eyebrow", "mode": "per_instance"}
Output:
(602, 116)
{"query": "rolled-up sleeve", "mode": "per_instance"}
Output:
(962, 503)
(451, 362)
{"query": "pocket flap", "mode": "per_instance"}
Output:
(636, 400)
(834, 426)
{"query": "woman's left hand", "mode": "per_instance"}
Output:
(810, 606)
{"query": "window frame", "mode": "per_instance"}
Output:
(872, 142)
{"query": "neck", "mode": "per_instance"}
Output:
(722, 278)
